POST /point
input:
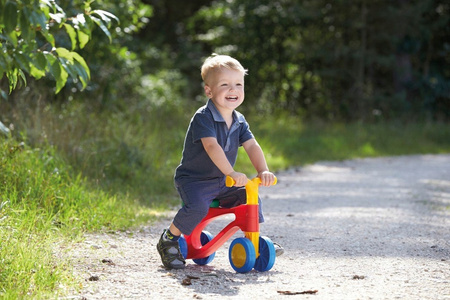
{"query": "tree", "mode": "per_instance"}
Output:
(336, 59)
(29, 43)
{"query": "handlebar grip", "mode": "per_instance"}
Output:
(229, 181)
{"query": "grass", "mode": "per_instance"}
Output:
(68, 171)
(43, 202)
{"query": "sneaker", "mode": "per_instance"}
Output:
(171, 256)
(278, 249)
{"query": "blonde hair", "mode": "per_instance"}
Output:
(216, 61)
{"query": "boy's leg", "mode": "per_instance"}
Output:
(196, 199)
(174, 230)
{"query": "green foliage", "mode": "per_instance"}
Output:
(117, 151)
(115, 66)
(29, 41)
(361, 60)
(43, 204)
(341, 60)
(37, 181)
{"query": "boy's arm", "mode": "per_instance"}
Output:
(215, 152)
(258, 160)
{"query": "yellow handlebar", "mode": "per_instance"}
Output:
(229, 181)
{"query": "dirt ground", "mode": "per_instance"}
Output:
(374, 228)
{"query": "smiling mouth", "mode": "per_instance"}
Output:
(231, 98)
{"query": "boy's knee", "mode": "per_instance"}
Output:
(194, 214)
(189, 217)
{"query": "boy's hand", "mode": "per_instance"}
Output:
(267, 178)
(240, 178)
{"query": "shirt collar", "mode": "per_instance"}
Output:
(217, 116)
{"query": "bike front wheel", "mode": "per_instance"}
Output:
(242, 255)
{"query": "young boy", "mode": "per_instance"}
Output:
(210, 149)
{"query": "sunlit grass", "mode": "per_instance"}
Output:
(42, 202)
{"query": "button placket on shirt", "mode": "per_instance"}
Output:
(233, 128)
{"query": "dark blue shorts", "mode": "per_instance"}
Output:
(197, 197)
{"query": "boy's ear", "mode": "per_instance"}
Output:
(208, 92)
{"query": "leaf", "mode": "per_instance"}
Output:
(55, 69)
(49, 58)
(59, 74)
(63, 79)
(105, 15)
(41, 61)
(38, 18)
(48, 3)
(12, 77)
(72, 35)
(102, 27)
(10, 16)
(82, 73)
(74, 64)
(23, 61)
(46, 11)
(36, 73)
(58, 8)
(53, 5)
(12, 38)
(83, 38)
(26, 33)
(63, 52)
(69, 67)
(22, 75)
(49, 37)
(49, 7)
(83, 63)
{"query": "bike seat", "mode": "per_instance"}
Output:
(215, 203)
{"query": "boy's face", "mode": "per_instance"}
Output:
(225, 87)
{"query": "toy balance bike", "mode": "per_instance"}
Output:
(245, 253)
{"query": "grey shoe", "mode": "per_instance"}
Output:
(278, 249)
(171, 256)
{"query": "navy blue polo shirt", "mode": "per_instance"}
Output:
(208, 122)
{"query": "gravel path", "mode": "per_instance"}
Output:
(358, 229)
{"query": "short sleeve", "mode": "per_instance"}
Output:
(245, 134)
(202, 126)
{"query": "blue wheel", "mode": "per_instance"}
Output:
(183, 246)
(242, 255)
(205, 237)
(267, 255)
